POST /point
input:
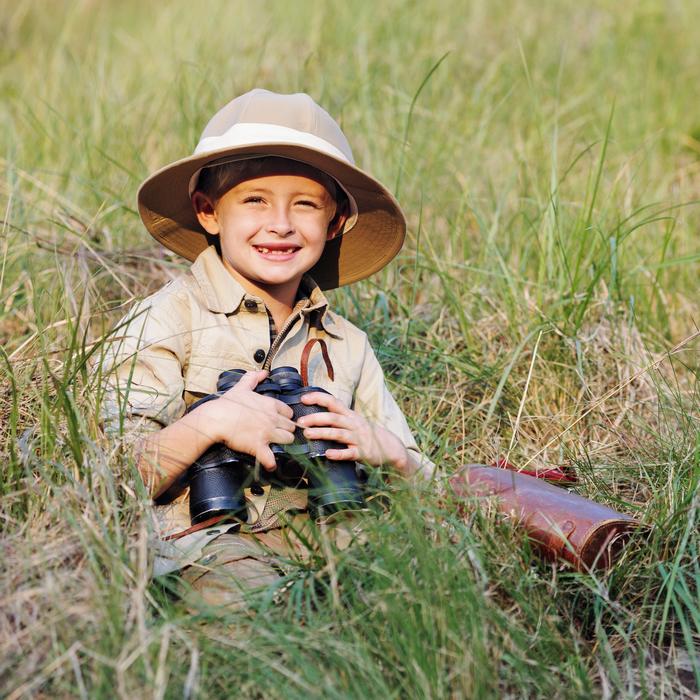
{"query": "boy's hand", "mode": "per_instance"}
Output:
(247, 422)
(366, 442)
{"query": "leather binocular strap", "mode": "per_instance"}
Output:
(304, 365)
(199, 526)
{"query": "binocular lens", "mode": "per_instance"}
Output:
(286, 378)
(333, 487)
(229, 379)
(216, 485)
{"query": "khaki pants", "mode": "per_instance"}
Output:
(235, 565)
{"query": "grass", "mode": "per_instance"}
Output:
(544, 307)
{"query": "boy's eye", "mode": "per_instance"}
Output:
(253, 199)
(307, 203)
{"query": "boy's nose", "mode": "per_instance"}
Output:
(280, 223)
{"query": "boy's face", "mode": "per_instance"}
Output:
(272, 228)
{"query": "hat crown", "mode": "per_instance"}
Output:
(296, 111)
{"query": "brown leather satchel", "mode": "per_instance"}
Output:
(562, 525)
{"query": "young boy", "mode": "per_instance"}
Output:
(270, 194)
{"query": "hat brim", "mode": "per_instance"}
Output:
(373, 241)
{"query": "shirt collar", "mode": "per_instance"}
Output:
(224, 294)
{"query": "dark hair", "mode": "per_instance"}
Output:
(217, 179)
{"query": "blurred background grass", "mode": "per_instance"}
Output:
(548, 158)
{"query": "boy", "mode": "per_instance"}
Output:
(270, 194)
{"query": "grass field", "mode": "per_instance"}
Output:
(544, 308)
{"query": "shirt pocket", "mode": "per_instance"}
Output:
(343, 394)
(340, 388)
(209, 359)
(201, 379)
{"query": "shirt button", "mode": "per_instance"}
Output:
(259, 355)
(251, 305)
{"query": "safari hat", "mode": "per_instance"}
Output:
(262, 123)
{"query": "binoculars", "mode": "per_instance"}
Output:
(217, 479)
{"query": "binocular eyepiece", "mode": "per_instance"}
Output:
(217, 479)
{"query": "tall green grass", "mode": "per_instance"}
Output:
(544, 307)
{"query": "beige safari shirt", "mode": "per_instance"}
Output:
(170, 349)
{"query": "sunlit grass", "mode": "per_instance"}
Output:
(548, 158)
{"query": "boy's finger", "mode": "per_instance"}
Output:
(325, 433)
(335, 420)
(283, 409)
(284, 423)
(266, 459)
(250, 380)
(348, 453)
(327, 401)
(282, 437)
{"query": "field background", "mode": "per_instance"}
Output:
(544, 307)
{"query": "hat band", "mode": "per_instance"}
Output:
(258, 134)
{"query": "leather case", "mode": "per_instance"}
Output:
(562, 525)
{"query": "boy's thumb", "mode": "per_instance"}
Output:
(250, 380)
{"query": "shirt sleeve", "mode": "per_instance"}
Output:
(374, 401)
(142, 368)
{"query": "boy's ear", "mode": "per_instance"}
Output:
(206, 213)
(336, 225)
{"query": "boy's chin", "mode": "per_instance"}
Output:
(272, 282)
(265, 280)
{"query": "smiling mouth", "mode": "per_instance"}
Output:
(276, 251)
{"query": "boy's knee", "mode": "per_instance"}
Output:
(228, 584)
